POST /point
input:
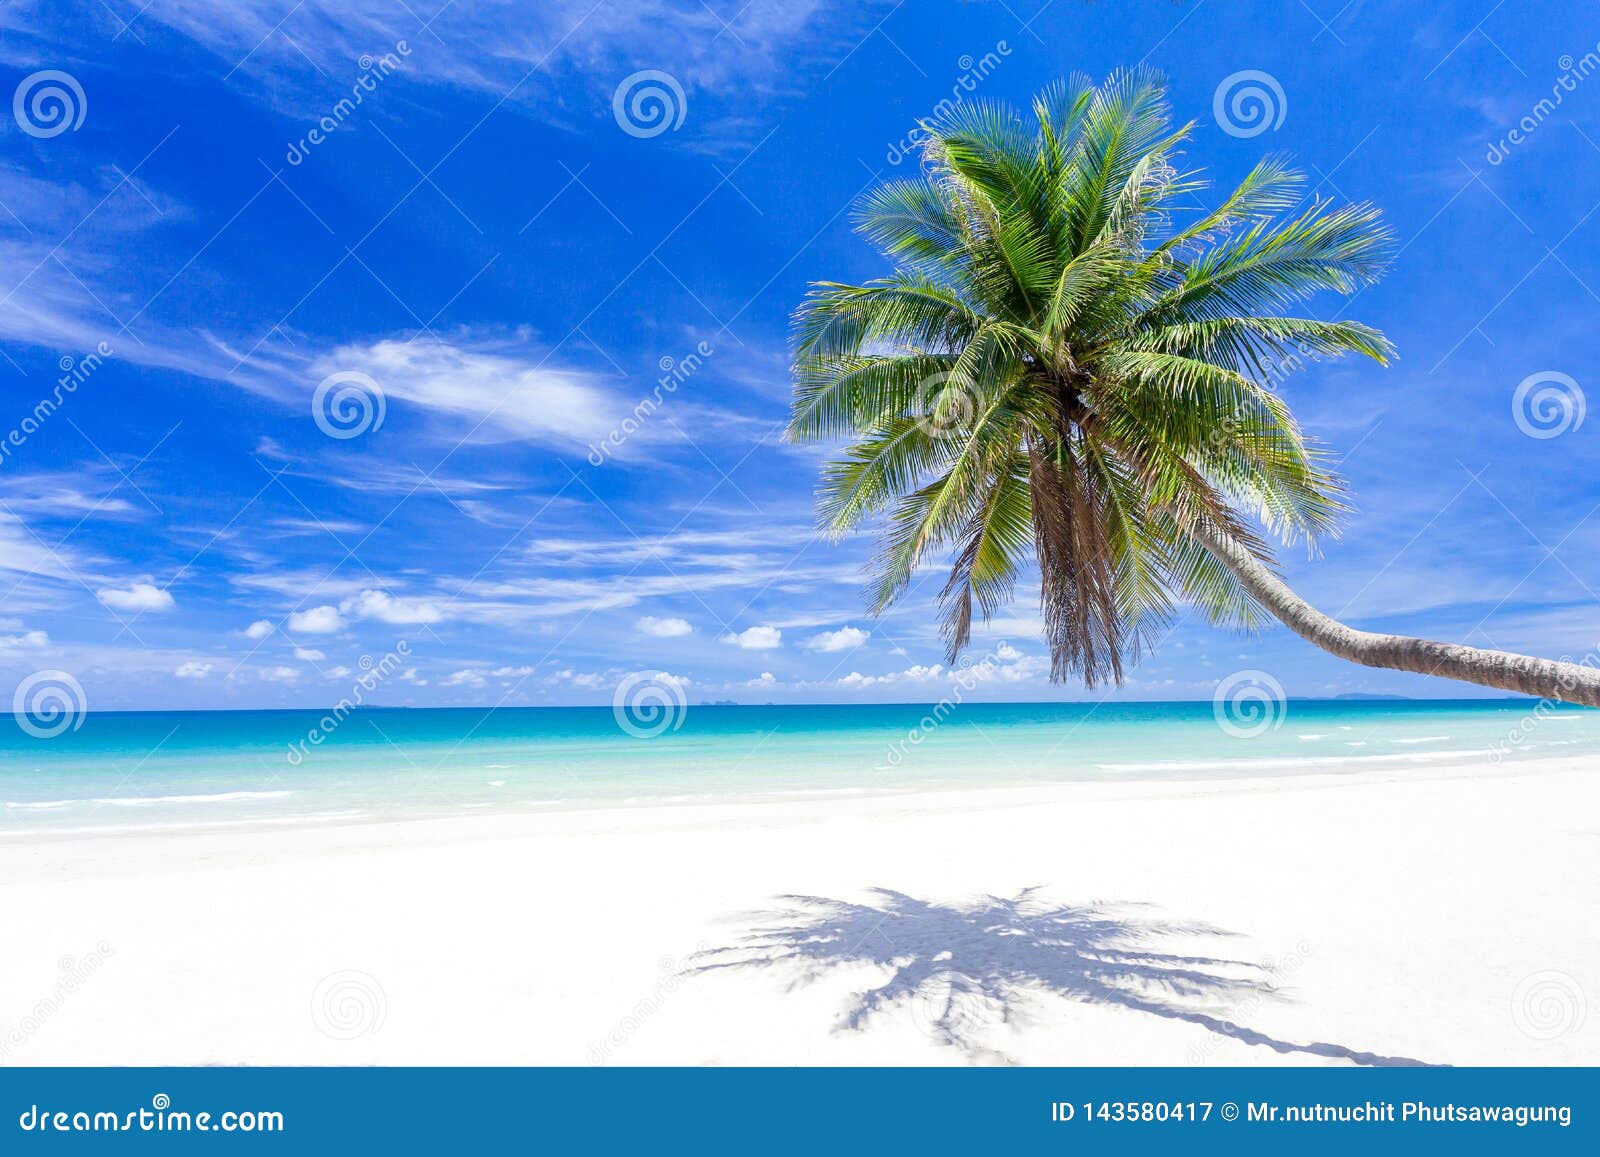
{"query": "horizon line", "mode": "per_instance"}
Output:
(1347, 698)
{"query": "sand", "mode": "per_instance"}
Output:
(1438, 916)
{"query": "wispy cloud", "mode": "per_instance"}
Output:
(728, 56)
(488, 390)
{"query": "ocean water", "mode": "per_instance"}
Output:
(158, 770)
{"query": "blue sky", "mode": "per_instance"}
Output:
(513, 264)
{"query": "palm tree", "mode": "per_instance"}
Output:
(1070, 364)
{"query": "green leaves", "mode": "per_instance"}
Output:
(1071, 365)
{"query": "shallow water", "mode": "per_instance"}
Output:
(153, 770)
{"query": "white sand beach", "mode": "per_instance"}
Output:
(1442, 916)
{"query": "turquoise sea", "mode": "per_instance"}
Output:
(155, 770)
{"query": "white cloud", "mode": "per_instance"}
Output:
(765, 679)
(580, 678)
(1003, 664)
(664, 628)
(1009, 665)
(387, 608)
(26, 639)
(756, 638)
(492, 389)
(309, 655)
(465, 678)
(280, 674)
(339, 673)
(917, 673)
(322, 620)
(139, 596)
(844, 639)
(511, 672)
(259, 629)
(193, 670)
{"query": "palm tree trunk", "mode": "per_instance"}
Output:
(1544, 678)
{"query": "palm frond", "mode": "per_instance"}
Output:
(1069, 366)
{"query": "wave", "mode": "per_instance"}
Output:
(1293, 761)
(144, 800)
(189, 825)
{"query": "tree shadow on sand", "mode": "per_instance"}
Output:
(960, 969)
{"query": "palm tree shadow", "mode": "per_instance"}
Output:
(963, 968)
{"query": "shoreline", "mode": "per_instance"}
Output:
(1438, 916)
(1386, 768)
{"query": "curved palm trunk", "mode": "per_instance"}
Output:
(1545, 678)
